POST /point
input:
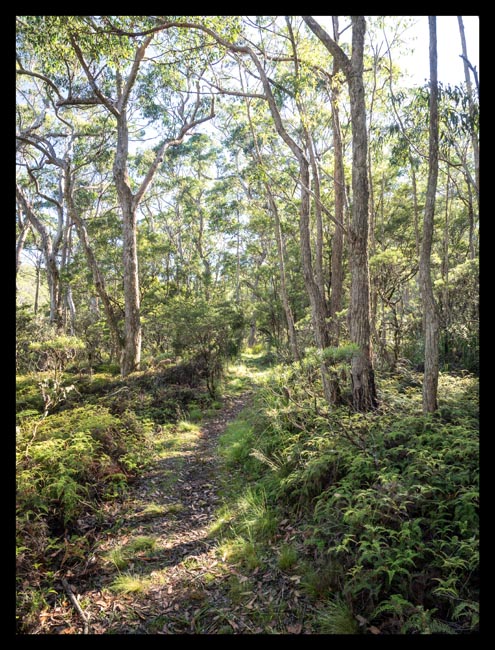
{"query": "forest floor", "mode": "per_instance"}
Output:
(157, 569)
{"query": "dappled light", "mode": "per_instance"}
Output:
(247, 325)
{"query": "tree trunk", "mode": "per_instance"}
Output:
(252, 333)
(72, 309)
(131, 354)
(19, 247)
(98, 279)
(471, 220)
(364, 395)
(337, 272)
(49, 251)
(363, 380)
(37, 290)
(283, 281)
(318, 309)
(445, 260)
(472, 110)
(319, 277)
(415, 206)
(430, 317)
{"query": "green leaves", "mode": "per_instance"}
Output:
(386, 497)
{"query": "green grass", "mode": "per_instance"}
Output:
(153, 510)
(117, 557)
(142, 543)
(122, 556)
(237, 440)
(195, 414)
(287, 558)
(243, 551)
(365, 492)
(130, 584)
(173, 508)
(337, 618)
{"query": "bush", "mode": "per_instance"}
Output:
(389, 500)
(66, 464)
(208, 332)
(71, 456)
(54, 354)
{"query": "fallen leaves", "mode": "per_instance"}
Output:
(294, 629)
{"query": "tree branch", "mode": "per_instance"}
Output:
(329, 43)
(22, 70)
(34, 141)
(43, 196)
(131, 79)
(171, 143)
(235, 93)
(80, 101)
(104, 100)
(31, 215)
(325, 210)
(473, 69)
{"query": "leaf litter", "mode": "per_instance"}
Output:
(185, 588)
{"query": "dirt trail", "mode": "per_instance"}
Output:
(181, 583)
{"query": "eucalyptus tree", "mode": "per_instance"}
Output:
(473, 109)
(61, 143)
(430, 316)
(362, 373)
(50, 245)
(129, 200)
(267, 181)
(103, 68)
(318, 309)
(339, 185)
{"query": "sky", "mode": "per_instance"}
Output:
(450, 66)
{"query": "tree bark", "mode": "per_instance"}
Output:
(318, 310)
(19, 246)
(415, 206)
(319, 276)
(430, 316)
(363, 380)
(37, 289)
(471, 220)
(472, 110)
(131, 352)
(98, 279)
(364, 397)
(337, 273)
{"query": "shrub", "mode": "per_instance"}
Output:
(389, 500)
(67, 463)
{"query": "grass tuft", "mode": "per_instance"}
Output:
(129, 584)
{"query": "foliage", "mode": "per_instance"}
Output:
(389, 502)
(67, 463)
(208, 332)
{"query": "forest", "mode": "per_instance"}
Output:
(247, 327)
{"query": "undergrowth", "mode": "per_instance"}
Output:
(385, 504)
(80, 441)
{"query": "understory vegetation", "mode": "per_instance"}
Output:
(81, 441)
(247, 325)
(376, 514)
